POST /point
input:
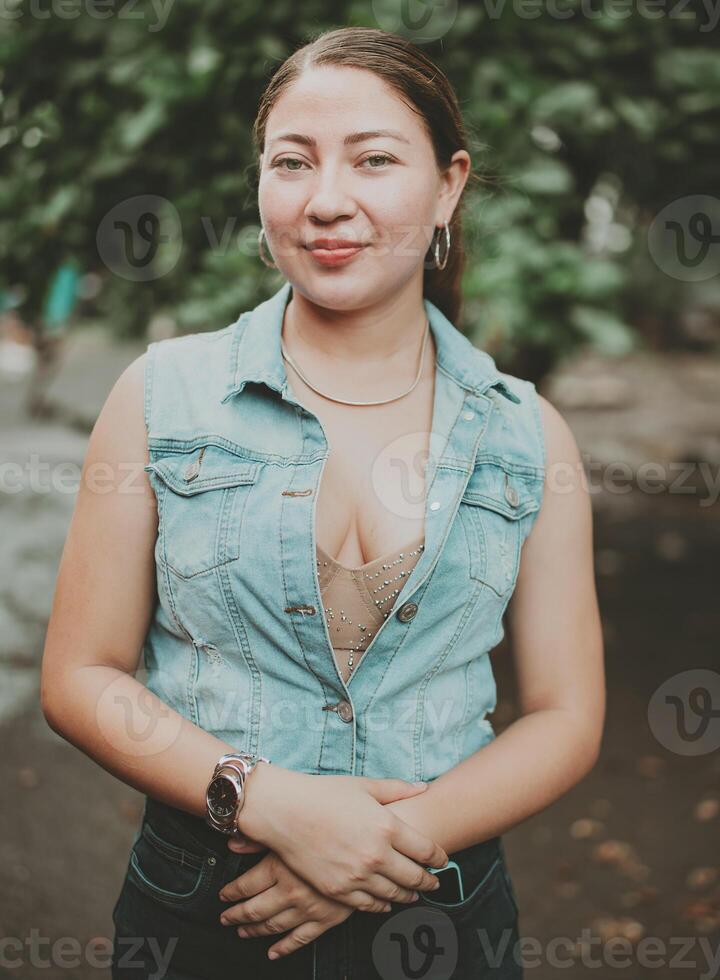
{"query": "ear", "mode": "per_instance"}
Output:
(453, 179)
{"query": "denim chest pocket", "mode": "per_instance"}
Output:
(201, 498)
(493, 509)
(171, 872)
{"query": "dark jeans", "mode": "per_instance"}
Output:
(167, 919)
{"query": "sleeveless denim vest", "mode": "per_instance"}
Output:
(238, 643)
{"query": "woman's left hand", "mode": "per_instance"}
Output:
(273, 899)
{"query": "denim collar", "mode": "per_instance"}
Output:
(255, 353)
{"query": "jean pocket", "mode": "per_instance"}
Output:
(169, 870)
(485, 880)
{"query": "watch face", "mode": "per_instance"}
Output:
(222, 797)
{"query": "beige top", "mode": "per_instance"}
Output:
(357, 600)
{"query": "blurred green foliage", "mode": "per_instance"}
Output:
(583, 127)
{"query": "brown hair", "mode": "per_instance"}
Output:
(407, 69)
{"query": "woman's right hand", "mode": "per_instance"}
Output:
(337, 834)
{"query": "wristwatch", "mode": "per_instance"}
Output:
(225, 793)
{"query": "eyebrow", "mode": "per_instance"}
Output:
(350, 140)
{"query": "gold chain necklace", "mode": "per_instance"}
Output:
(343, 401)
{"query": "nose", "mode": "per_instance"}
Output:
(328, 200)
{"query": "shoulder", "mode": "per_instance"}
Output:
(560, 443)
(566, 500)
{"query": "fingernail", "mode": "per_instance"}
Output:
(242, 932)
(436, 885)
(415, 897)
(223, 897)
(224, 919)
(272, 955)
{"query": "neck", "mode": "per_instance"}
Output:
(380, 338)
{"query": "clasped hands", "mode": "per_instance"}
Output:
(336, 844)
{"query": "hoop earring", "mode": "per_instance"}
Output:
(438, 265)
(261, 250)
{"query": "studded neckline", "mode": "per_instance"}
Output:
(369, 564)
(357, 600)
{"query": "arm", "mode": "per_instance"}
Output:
(104, 600)
(557, 644)
(103, 604)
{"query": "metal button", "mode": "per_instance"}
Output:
(511, 495)
(212, 860)
(468, 416)
(345, 711)
(191, 471)
(407, 611)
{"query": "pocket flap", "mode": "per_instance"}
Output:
(509, 492)
(206, 468)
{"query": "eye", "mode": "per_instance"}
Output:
(287, 160)
(378, 156)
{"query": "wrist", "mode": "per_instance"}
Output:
(262, 798)
(420, 814)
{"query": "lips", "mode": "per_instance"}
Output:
(331, 244)
(334, 253)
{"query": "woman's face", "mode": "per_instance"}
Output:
(382, 192)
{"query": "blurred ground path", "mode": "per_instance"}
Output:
(633, 850)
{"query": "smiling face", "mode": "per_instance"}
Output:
(382, 192)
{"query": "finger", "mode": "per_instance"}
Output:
(282, 922)
(364, 901)
(404, 874)
(249, 883)
(244, 845)
(417, 846)
(256, 909)
(376, 905)
(299, 937)
(385, 888)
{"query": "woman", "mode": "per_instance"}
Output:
(340, 630)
